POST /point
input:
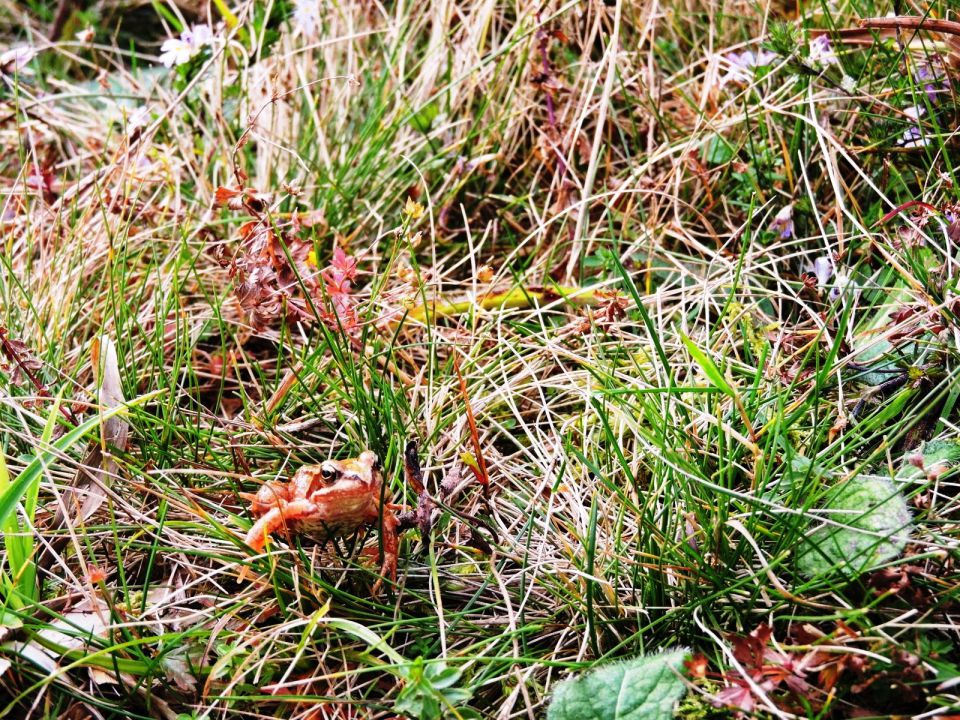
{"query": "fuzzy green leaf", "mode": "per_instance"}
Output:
(877, 525)
(644, 688)
(718, 151)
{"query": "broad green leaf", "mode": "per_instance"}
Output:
(873, 350)
(644, 688)
(9, 620)
(717, 151)
(877, 525)
(710, 369)
(17, 537)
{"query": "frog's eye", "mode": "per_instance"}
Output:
(328, 473)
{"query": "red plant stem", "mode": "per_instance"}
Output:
(950, 27)
(906, 206)
(483, 477)
(542, 39)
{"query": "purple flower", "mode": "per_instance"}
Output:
(821, 51)
(914, 111)
(913, 138)
(928, 75)
(742, 65)
(783, 221)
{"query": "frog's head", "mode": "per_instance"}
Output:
(361, 469)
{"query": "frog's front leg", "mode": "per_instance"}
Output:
(276, 519)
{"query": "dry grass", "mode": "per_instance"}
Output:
(633, 505)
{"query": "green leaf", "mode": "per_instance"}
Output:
(644, 688)
(873, 350)
(718, 151)
(710, 369)
(428, 692)
(424, 117)
(17, 538)
(877, 525)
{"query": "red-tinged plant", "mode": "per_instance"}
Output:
(814, 669)
(479, 467)
(696, 666)
(338, 277)
(17, 360)
(274, 280)
(275, 270)
(740, 696)
(240, 198)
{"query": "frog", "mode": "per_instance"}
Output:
(327, 501)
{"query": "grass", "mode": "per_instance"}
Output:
(564, 227)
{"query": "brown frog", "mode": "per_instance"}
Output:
(325, 501)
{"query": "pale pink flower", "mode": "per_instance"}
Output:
(912, 137)
(821, 51)
(823, 268)
(15, 59)
(743, 65)
(783, 221)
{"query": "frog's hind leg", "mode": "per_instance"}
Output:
(390, 542)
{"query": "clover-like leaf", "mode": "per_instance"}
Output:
(644, 688)
(429, 692)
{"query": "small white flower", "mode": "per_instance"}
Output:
(86, 35)
(178, 51)
(840, 286)
(15, 59)
(198, 36)
(138, 118)
(821, 51)
(823, 269)
(848, 84)
(175, 52)
(306, 17)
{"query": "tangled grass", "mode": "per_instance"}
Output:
(576, 278)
